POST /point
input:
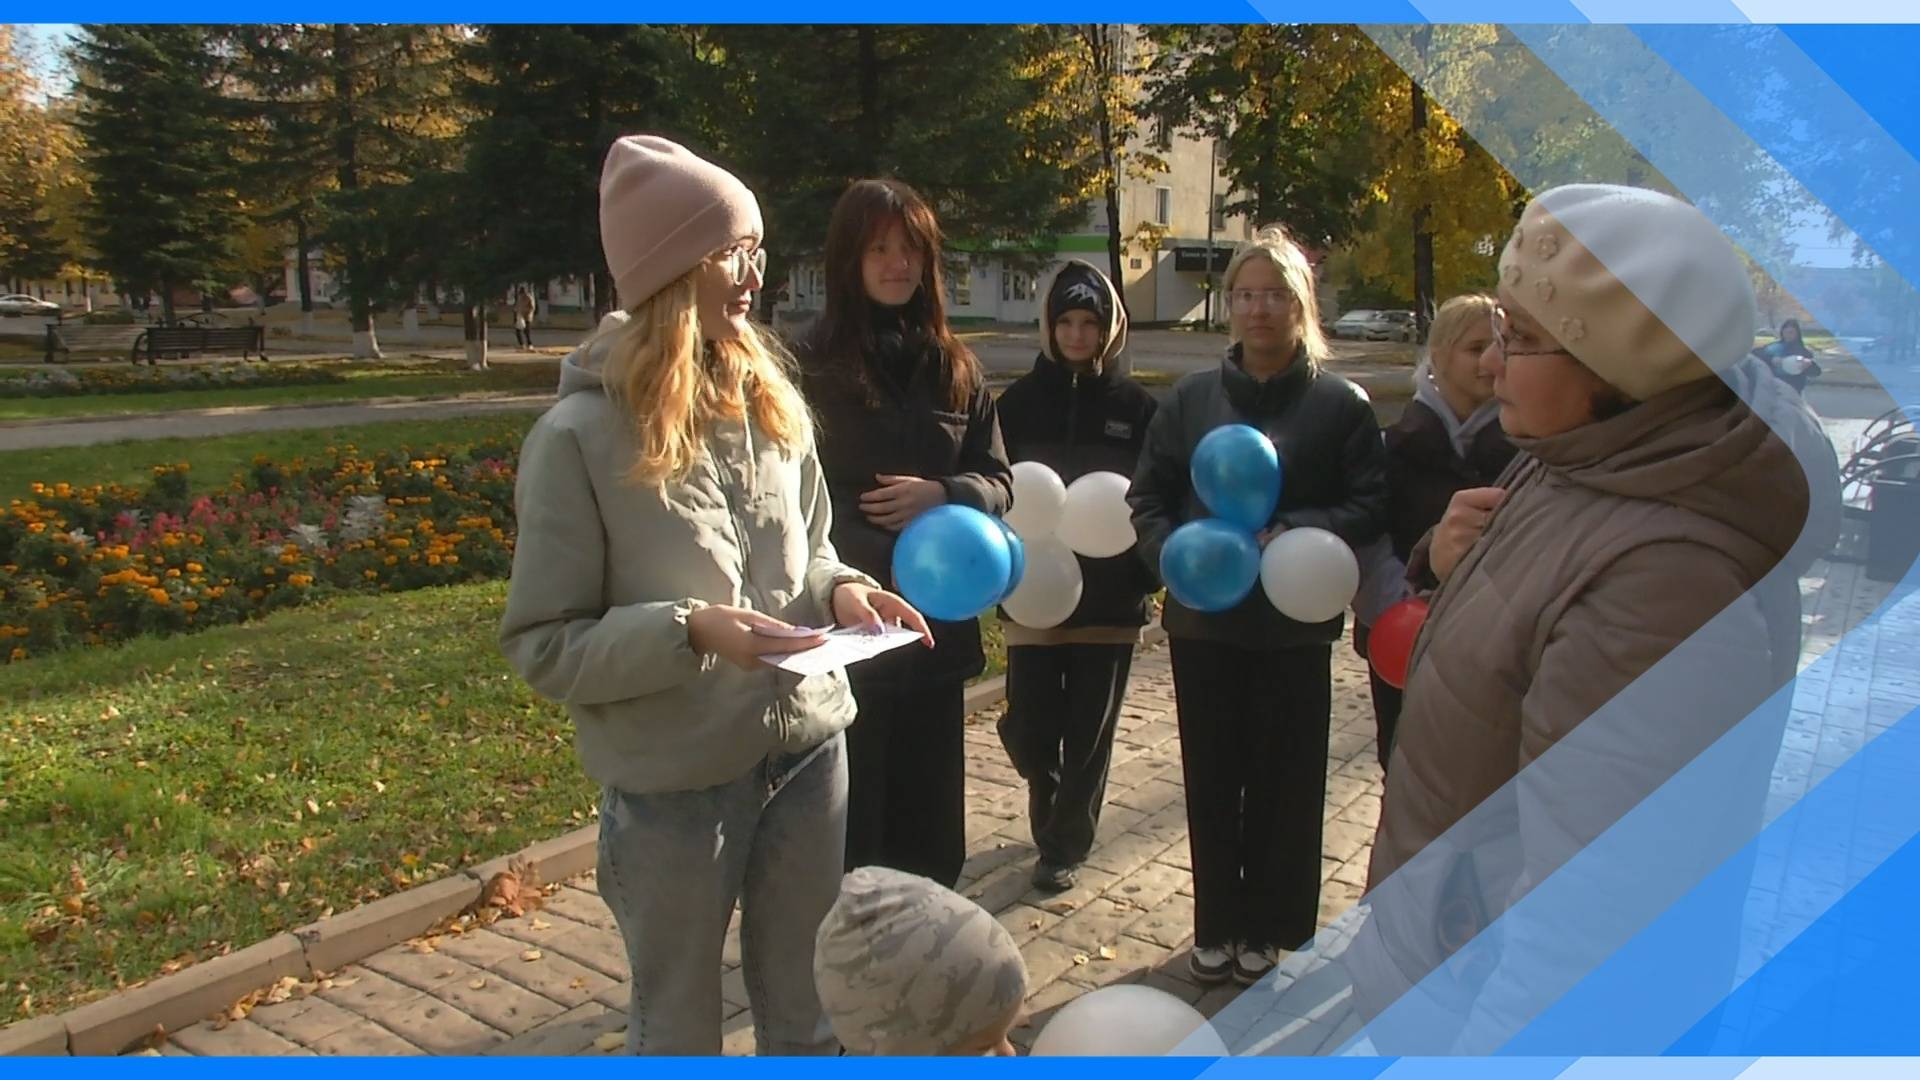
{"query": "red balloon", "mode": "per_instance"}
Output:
(1390, 641)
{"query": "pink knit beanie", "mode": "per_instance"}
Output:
(663, 210)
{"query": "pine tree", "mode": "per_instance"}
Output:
(157, 143)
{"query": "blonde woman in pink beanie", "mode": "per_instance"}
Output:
(673, 534)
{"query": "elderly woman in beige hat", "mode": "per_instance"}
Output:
(1646, 513)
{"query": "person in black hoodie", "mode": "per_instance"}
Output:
(1075, 414)
(905, 424)
(1447, 439)
(1253, 688)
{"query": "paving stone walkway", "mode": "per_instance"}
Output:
(553, 982)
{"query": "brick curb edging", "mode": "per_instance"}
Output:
(110, 1026)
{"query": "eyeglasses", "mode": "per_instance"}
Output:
(1265, 299)
(742, 264)
(1503, 329)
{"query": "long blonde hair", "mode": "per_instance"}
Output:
(1273, 244)
(672, 385)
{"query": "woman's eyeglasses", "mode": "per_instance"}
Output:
(1503, 330)
(1264, 299)
(742, 264)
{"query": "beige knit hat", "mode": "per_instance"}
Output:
(908, 967)
(1639, 286)
(663, 210)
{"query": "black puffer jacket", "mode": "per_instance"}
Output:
(1333, 474)
(898, 421)
(1077, 424)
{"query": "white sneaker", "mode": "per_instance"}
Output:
(1253, 964)
(1211, 965)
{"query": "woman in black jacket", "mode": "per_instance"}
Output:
(905, 424)
(1254, 689)
(1447, 439)
(1075, 414)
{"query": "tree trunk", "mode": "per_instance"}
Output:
(1423, 298)
(166, 301)
(1100, 49)
(474, 319)
(366, 344)
(869, 84)
(603, 294)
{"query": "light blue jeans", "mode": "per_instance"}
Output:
(672, 865)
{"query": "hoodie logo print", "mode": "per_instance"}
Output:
(1083, 291)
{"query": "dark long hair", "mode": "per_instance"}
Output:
(1799, 337)
(843, 336)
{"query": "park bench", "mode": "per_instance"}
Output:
(179, 341)
(91, 340)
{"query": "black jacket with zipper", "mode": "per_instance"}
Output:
(1333, 476)
(1075, 424)
(897, 420)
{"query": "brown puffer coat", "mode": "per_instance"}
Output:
(1617, 541)
(1657, 550)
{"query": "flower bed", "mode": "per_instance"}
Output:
(63, 382)
(103, 564)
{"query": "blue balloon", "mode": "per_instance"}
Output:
(952, 563)
(1017, 548)
(1210, 564)
(1236, 473)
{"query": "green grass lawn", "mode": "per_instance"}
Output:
(363, 381)
(171, 798)
(216, 460)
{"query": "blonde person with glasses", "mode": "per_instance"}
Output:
(1253, 688)
(673, 534)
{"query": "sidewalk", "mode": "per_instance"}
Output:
(553, 983)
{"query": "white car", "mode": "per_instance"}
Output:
(1365, 324)
(20, 304)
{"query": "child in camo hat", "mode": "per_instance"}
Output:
(907, 967)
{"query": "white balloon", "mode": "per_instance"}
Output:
(1097, 521)
(1128, 1021)
(1050, 590)
(1038, 498)
(1310, 575)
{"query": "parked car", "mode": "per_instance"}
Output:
(1395, 326)
(19, 304)
(1366, 324)
(1353, 324)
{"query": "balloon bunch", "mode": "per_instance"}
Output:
(1310, 575)
(1055, 522)
(954, 562)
